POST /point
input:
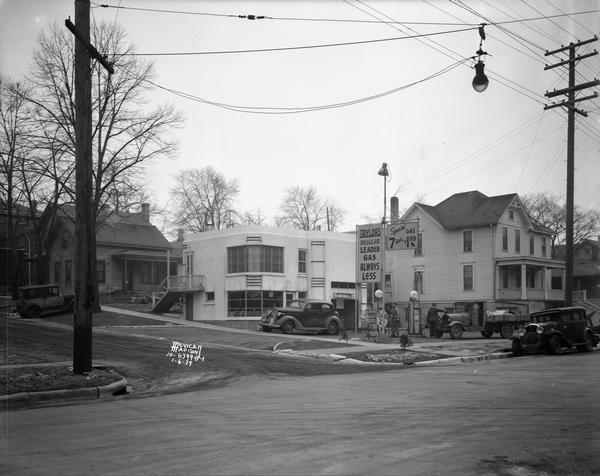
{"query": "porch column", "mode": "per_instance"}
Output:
(545, 278)
(523, 281)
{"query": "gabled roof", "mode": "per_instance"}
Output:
(471, 210)
(129, 231)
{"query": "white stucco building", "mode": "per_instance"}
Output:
(245, 270)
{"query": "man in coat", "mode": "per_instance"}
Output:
(433, 320)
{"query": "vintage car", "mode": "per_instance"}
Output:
(554, 329)
(36, 301)
(310, 315)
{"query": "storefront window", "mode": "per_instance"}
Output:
(252, 303)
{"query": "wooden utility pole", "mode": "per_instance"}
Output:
(85, 235)
(569, 103)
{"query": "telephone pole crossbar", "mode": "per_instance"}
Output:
(569, 104)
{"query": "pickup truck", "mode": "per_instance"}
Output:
(36, 301)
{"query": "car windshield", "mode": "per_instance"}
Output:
(545, 318)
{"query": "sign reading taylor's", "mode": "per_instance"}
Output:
(369, 242)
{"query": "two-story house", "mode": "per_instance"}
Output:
(479, 252)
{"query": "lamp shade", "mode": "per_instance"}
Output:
(383, 170)
(480, 81)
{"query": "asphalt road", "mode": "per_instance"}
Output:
(524, 416)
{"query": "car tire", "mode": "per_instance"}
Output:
(33, 312)
(456, 331)
(287, 327)
(487, 334)
(507, 331)
(332, 328)
(554, 345)
(517, 348)
(267, 329)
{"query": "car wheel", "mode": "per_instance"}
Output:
(506, 331)
(456, 331)
(287, 327)
(554, 345)
(589, 343)
(487, 334)
(332, 328)
(33, 312)
(517, 348)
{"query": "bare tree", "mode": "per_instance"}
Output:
(126, 134)
(305, 209)
(252, 217)
(549, 211)
(202, 197)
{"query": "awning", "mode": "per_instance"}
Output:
(143, 255)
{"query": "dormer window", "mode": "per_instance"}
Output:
(511, 214)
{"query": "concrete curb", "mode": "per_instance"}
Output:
(446, 361)
(24, 398)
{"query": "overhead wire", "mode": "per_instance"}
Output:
(336, 20)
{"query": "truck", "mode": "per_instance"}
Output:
(468, 316)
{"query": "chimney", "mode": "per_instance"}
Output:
(394, 209)
(146, 212)
(180, 234)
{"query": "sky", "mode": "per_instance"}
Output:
(404, 101)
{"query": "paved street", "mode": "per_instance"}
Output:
(531, 415)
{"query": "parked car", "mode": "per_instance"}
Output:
(310, 315)
(36, 301)
(554, 329)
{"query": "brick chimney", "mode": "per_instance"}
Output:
(146, 212)
(179, 234)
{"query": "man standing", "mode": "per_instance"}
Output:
(432, 320)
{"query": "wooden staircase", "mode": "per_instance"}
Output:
(173, 288)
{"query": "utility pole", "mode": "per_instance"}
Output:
(569, 103)
(85, 237)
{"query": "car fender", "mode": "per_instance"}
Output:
(286, 317)
(452, 323)
(338, 321)
(553, 333)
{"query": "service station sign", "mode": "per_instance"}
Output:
(402, 235)
(369, 244)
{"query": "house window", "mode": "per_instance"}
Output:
(101, 271)
(531, 245)
(302, 261)
(504, 238)
(388, 280)
(511, 214)
(210, 296)
(189, 263)
(65, 240)
(419, 248)
(68, 271)
(556, 282)
(468, 277)
(254, 259)
(517, 241)
(467, 241)
(301, 294)
(530, 278)
(504, 277)
(418, 281)
(57, 266)
(544, 246)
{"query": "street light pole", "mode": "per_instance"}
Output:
(383, 171)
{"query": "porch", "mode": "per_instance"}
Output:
(528, 279)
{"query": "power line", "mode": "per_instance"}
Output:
(336, 20)
(303, 109)
(304, 47)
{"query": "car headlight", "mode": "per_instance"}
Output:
(539, 330)
(521, 332)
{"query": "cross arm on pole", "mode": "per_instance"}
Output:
(93, 51)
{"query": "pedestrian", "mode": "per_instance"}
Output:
(433, 320)
(393, 321)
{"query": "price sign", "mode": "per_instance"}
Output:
(402, 235)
